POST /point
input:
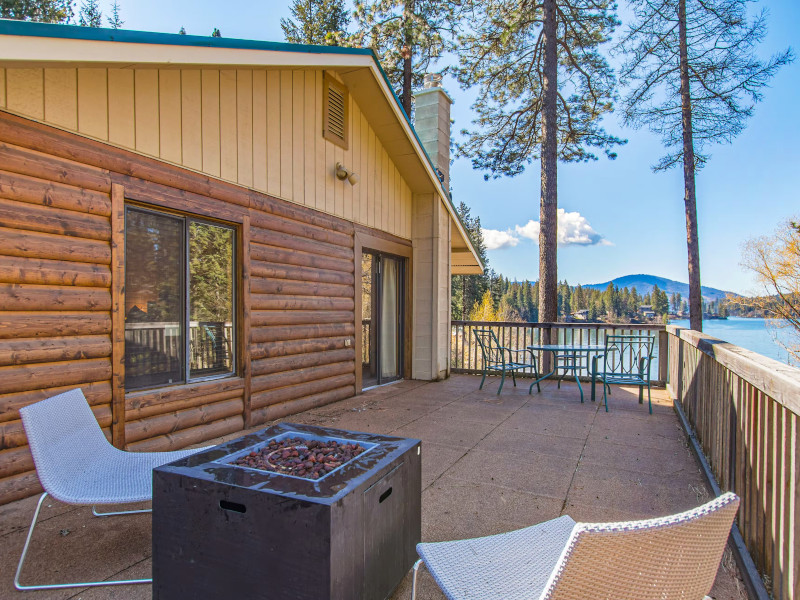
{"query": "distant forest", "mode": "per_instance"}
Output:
(493, 297)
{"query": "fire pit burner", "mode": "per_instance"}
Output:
(297, 456)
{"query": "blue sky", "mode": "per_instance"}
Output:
(633, 217)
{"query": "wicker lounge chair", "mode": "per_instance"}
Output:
(670, 557)
(77, 465)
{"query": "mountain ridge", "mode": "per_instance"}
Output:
(644, 285)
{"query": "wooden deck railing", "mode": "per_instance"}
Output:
(465, 356)
(745, 411)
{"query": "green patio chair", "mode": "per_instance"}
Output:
(626, 360)
(494, 358)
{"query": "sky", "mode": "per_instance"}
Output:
(619, 217)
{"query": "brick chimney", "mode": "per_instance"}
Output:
(432, 123)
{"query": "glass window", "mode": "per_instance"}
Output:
(179, 299)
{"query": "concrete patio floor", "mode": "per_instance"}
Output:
(489, 464)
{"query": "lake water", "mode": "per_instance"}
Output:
(757, 335)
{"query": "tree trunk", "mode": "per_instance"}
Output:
(407, 85)
(408, 11)
(689, 198)
(548, 211)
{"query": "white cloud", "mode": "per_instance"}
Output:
(495, 239)
(573, 230)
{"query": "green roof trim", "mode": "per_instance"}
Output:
(102, 34)
(128, 36)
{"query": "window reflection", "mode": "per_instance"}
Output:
(179, 321)
(210, 299)
(154, 275)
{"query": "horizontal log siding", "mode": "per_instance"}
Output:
(55, 297)
(745, 411)
(302, 328)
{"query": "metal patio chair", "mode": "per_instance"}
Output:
(626, 360)
(494, 358)
(670, 557)
(77, 465)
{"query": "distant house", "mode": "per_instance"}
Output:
(205, 234)
(646, 310)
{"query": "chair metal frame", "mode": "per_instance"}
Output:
(626, 361)
(494, 358)
(58, 586)
(74, 462)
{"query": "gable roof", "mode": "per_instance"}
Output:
(24, 42)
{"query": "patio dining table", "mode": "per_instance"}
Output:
(569, 357)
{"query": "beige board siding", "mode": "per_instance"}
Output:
(256, 127)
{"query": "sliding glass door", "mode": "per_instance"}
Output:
(382, 283)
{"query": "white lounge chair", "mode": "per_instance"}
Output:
(77, 465)
(670, 557)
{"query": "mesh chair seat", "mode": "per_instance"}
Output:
(509, 565)
(75, 462)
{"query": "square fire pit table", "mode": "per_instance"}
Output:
(223, 530)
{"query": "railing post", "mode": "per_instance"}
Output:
(663, 356)
(546, 356)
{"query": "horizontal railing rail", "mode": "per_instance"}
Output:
(465, 355)
(745, 411)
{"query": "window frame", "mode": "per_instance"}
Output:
(236, 311)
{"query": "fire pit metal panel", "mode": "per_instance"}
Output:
(221, 530)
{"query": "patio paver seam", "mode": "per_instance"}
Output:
(580, 457)
(493, 483)
(112, 576)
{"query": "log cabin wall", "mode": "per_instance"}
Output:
(259, 128)
(62, 274)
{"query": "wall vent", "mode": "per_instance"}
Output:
(335, 115)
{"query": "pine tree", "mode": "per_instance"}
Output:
(660, 301)
(694, 80)
(115, 21)
(409, 36)
(466, 290)
(320, 22)
(90, 14)
(543, 89)
(42, 11)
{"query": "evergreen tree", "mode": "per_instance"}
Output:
(409, 36)
(115, 20)
(42, 11)
(543, 89)
(527, 302)
(694, 80)
(90, 14)
(466, 290)
(660, 301)
(320, 22)
(578, 300)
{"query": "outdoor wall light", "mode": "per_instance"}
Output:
(342, 173)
